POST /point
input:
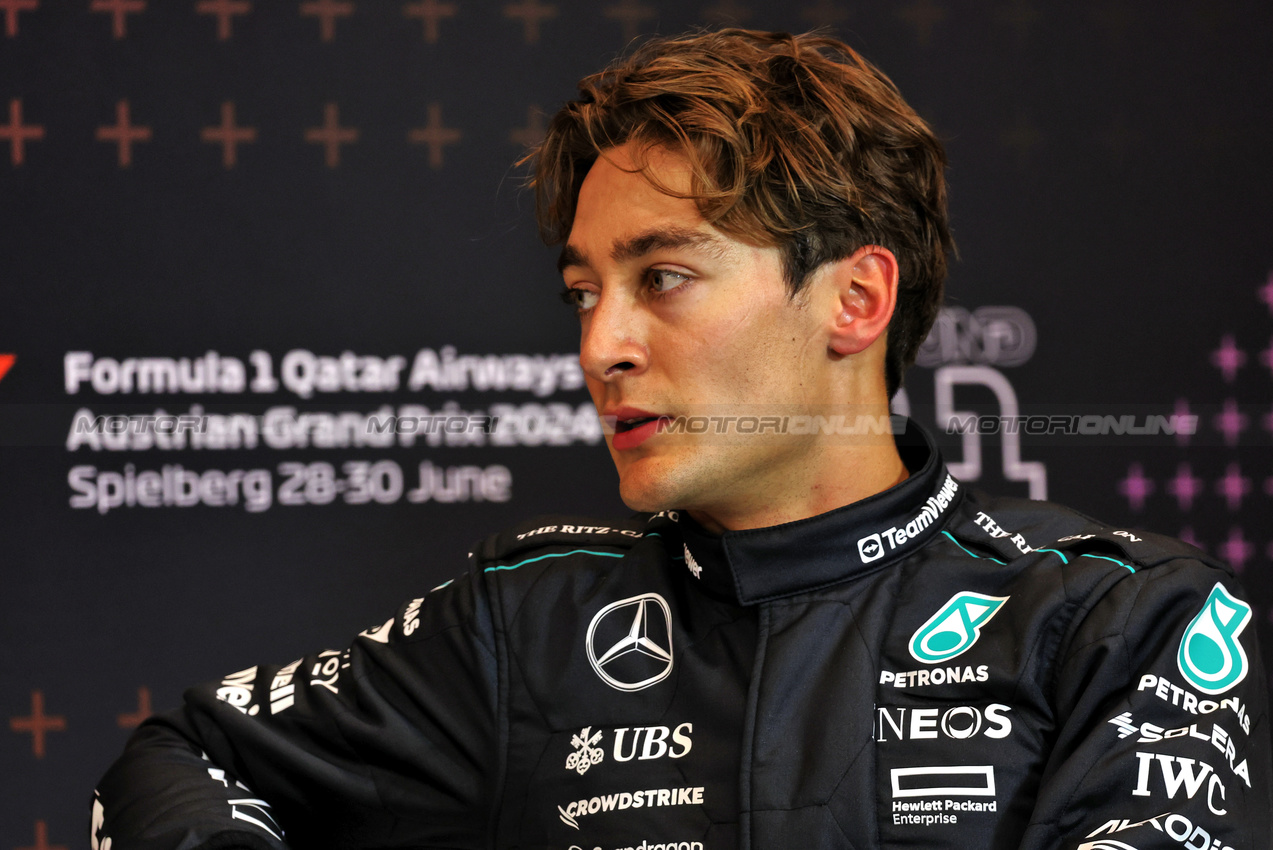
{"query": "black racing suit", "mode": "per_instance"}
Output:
(929, 667)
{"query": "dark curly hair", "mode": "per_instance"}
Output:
(793, 141)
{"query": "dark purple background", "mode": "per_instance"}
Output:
(1110, 178)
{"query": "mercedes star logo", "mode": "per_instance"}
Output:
(634, 637)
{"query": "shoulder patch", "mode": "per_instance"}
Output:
(1131, 547)
(548, 532)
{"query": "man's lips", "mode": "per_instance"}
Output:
(630, 426)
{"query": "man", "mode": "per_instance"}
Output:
(813, 636)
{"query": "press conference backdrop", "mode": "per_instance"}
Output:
(289, 219)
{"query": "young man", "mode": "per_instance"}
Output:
(810, 638)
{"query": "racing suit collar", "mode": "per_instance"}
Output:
(759, 564)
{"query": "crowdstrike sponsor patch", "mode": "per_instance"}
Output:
(1175, 826)
(1210, 656)
(875, 546)
(955, 627)
(624, 800)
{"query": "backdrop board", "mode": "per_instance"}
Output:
(293, 220)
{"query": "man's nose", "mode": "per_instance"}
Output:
(612, 343)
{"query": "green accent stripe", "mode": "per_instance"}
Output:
(1103, 558)
(555, 555)
(1056, 552)
(961, 546)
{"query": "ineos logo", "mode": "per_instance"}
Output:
(630, 642)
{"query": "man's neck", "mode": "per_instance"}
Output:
(833, 478)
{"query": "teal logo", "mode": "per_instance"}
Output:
(1210, 656)
(955, 628)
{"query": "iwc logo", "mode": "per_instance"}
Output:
(955, 628)
(1210, 656)
(630, 642)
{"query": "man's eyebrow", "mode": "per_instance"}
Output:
(570, 256)
(644, 243)
(666, 237)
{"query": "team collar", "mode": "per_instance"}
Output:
(760, 564)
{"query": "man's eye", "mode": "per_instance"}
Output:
(663, 280)
(580, 299)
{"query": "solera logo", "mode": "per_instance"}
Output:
(630, 642)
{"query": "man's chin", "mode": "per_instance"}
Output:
(645, 500)
(645, 490)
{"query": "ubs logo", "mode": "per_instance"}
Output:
(630, 642)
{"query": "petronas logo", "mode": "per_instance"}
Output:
(1210, 656)
(955, 628)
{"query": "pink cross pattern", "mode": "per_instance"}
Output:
(1233, 486)
(1136, 487)
(1266, 293)
(1237, 550)
(1266, 356)
(1268, 421)
(1186, 534)
(1231, 422)
(1228, 358)
(1182, 409)
(11, 8)
(1184, 486)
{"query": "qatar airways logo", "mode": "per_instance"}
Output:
(873, 546)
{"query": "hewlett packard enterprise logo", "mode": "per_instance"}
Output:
(872, 547)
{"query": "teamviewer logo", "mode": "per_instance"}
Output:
(871, 548)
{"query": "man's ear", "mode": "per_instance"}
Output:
(864, 288)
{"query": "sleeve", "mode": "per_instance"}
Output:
(391, 742)
(1163, 707)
